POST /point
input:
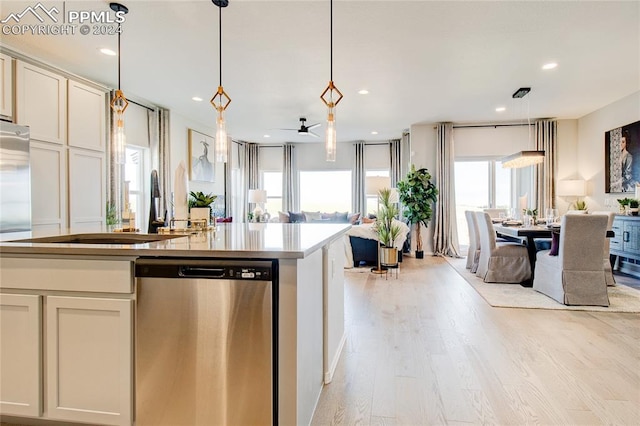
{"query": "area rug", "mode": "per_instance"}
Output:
(621, 297)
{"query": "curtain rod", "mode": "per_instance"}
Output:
(470, 126)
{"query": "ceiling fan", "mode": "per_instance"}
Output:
(305, 130)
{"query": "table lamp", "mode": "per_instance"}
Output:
(257, 197)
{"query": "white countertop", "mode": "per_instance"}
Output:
(228, 240)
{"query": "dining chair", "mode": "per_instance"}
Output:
(506, 262)
(608, 272)
(495, 213)
(473, 254)
(576, 275)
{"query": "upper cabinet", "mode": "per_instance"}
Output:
(41, 102)
(6, 85)
(86, 117)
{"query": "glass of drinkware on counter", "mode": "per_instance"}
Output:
(550, 215)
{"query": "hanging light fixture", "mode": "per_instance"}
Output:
(327, 97)
(119, 103)
(220, 99)
(523, 158)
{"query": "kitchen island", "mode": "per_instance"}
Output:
(69, 309)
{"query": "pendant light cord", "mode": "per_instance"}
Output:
(119, 56)
(331, 40)
(220, 41)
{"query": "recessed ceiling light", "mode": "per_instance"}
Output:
(374, 133)
(549, 66)
(108, 52)
(266, 136)
(197, 99)
(500, 109)
(363, 92)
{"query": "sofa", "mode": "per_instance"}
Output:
(318, 217)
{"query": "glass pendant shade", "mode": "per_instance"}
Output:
(119, 104)
(330, 140)
(221, 139)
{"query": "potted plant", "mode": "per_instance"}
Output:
(417, 194)
(633, 207)
(200, 205)
(386, 229)
(623, 202)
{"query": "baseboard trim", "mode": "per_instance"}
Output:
(328, 376)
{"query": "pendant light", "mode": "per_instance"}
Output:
(220, 99)
(523, 158)
(119, 103)
(327, 97)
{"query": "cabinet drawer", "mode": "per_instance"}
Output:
(109, 276)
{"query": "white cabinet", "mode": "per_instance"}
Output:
(48, 186)
(87, 188)
(86, 117)
(333, 306)
(6, 85)
(89, 362)
(41, 102)
(20, 349)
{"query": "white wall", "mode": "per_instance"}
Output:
(591, 149)
(179, 134)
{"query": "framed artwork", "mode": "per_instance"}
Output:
(622, 158)
(201, 165)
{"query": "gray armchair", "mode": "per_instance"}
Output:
(576, 275)
(500, 263)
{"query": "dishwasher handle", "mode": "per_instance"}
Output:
(200, 272)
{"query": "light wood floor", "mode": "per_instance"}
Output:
(427, 349)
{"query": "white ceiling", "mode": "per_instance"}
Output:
(422, 61)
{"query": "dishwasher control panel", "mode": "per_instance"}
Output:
(249, 273)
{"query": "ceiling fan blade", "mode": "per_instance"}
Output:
(313, 126)
(286, 129)
(314, 135)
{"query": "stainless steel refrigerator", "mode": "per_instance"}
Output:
(15, 178)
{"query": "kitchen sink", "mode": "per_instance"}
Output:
(101, 238)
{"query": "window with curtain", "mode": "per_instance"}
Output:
(272, 183)
(372, 200)
(135, 170)
(325, 191)
(481, 184)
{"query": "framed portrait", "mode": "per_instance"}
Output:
(201, 164)
(622, 158)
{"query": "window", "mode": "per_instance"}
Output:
(372, 200)
(272, 183)
(325, 191)
(480, 184)
(134, 172)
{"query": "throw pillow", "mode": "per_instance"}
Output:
(555, 244)
(309, 216)
(367, 220)
(296, 217)
(283, 217)
(331, 217)
(224, 219)
(353, 218)
(342, 217)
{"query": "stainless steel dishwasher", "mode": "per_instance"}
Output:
(206, 342)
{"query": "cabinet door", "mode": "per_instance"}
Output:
(20, 362)
(48, 186)
(87, 189)
(631, 237)
(89, 360)
(6, 85)
(86, 117)
(41, 102)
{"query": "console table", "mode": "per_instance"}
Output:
(625, 245)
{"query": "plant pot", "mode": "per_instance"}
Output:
(388, 256)
(419, 254)
(200, 214)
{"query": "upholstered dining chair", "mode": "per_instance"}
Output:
(608, 272)
(495, 213)
(500, 263)
(576, 275)
(473, 254)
